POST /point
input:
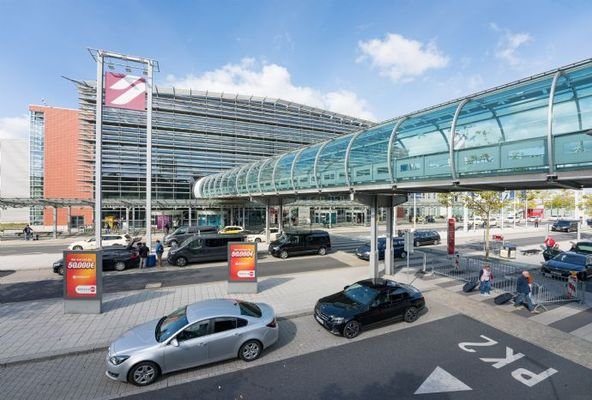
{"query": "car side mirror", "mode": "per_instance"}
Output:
(174, 342)
(345, 287)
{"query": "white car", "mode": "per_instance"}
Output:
(262, 236)
(106, 240)
(510, 219)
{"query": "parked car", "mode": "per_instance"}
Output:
(182, 233)
(231, 229)
(298, 243)
(430, 219)
(582, 247)
(116, 258)
(199, 333)
(422, 237)
(568, 261)
(363, 251)
(565, 225)
(368, 302)
(533, 218)
(261, 236)
(200, 248)
(589, 222)
(106, 240)
(510, 219)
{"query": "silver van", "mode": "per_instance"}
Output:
(182, 233)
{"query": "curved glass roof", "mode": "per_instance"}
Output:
(538, 124)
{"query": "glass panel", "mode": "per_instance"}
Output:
(266, 175)
(304, 168)
(368, 156)
(283, 172)
(253, 177)
(331, 164)
(241, 179)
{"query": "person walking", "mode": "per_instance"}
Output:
(28, 231)
(159, 249)
(536, 222)
(143, 253)
(485, 279)
(167, 227)
(523, 289)
(549, 241)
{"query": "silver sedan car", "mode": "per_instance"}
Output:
(197, 334)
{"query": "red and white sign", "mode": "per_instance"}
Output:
(572, 286)
(125, 91)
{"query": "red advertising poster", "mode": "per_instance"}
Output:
(451, 230)
(125, 91)
(81, 275)
(242, 262)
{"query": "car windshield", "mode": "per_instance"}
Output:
(170, 324)
(283, 238)
(186, 241)
(249, 309)
(361, 294)
(563, 223)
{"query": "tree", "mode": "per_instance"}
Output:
(484, 204)
(565, 200)
(586, 204)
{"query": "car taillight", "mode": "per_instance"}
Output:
(272, 324)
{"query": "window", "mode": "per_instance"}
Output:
(194, 331)
(249, 309)
(196, 244)
(224, 324)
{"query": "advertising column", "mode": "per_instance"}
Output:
(83, 282)
(451, 232)
(242, 267)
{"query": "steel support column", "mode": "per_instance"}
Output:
(373, 234)
(127, 221)
(550, 155)
(149, 86)
(98, 150)
(69, 218)
(388, 252)
(280, 219)
(55, 222)
(267, 221)
(189, 216)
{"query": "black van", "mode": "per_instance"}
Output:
(179, 235)
(207, 247)
(293, 243)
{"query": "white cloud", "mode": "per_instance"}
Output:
(272, 80)
(400, 58)
(14, 127)
(509, 43)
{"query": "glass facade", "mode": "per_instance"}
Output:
(541, 124)
(37, 134)
(196, 134)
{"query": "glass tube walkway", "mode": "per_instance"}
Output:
(529, 133)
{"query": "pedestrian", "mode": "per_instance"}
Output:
(536, 222)
(143, 253)
(159, 249)
(485, 279)
(550, 242)
(523, 296)
(28, 231)
(167, 227)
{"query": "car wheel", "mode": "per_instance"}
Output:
(61, 270)
(257, 240)
(437, 242)
(77, 248)
(181, 262)
(143, 374)
(403, 254)
(416, 243)
(250, 350)
(411, 314)
(284, 254)
(351, 329)
(119, 266)
(174, 243)
(322, 251)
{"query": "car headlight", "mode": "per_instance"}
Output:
(337, 320)
(275, 248)
(116, 360)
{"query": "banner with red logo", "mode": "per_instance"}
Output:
(242, 262)
(451, 231)
(125, 91)
(80, 273)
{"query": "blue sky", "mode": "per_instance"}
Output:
(372, 59)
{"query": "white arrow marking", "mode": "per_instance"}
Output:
(441, 381)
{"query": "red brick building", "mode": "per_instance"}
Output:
(62, 168)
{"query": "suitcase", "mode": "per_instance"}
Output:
(503, 298)
(470, 286)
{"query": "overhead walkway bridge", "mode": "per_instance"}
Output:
(535, 133)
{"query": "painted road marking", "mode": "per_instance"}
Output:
(441, 381)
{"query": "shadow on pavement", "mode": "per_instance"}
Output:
(135, 298)
(6, 272)
(272, 282)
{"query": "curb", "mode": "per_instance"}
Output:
(76, 351)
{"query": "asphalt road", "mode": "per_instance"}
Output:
(437, 361)
(135, 280)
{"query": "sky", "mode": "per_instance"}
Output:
(369, 59)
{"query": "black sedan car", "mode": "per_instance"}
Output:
(363, 251)
(565, 263)
(422, 237)
(116, 258)
(565, 225)
(368, 302)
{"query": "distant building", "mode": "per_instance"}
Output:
(14, 178)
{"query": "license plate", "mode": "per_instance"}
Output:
(319, 319)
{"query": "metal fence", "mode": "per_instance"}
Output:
(545, 290)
